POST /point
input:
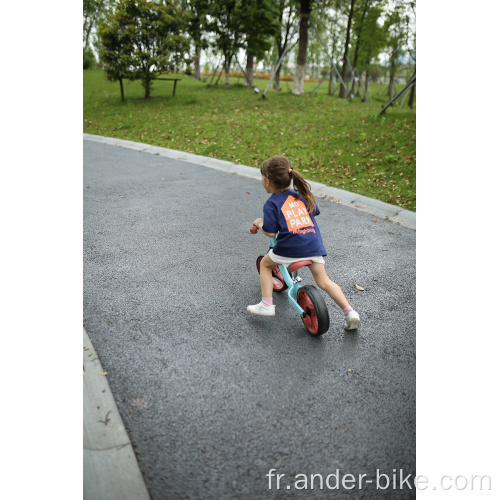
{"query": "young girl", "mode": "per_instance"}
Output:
(290, 214)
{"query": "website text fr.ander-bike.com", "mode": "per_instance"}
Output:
(394, 480)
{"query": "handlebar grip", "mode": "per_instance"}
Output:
(254, 229)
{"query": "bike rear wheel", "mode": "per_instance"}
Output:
(317, 319)
(279, 284)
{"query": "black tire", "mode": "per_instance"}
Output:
(277, 287)
(317, 319)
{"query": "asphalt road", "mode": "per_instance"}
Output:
(213, 397)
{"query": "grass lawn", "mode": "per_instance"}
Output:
(339, 143)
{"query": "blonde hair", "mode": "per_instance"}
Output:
(279, 171)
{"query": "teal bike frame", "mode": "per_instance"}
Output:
(291, 281)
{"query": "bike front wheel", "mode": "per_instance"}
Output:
(316, 319)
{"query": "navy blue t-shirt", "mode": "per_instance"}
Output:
(298, 233)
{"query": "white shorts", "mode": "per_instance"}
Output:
(286, 261)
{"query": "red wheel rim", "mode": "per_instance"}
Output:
(311, 318)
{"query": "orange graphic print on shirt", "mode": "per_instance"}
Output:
(296, 215)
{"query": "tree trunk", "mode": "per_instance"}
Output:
(88, 29)
(392, 74)
(281, 49)
(300, 70)
(197, 72)
(220, 74)
(281, 44)
(121, 90)
(358, 42)
(278, 71)
(412, 97)
(298, 81)
(277, 79)
(227, 66)
(392, 70)
(330, 79)
(146, 82)
(249, 71)
(346, 49)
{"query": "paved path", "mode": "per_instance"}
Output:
(213, 398)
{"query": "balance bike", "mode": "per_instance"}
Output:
(306, 300)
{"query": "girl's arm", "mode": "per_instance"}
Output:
(259, 223)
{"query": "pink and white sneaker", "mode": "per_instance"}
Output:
(352, 321)
(261, 309)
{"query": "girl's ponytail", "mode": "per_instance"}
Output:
(304, 189)
(279, 171)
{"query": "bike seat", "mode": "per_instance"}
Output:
(297, 265)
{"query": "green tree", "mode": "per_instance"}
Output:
(227, 24)
(197, 11)
(345, 64)
(94, 11)
(287, 16)
(300, 68)
(115, 46)
(358, 21)
(332, 31)
(368, 35)
(412, 49)
(397, 28)
(259, 26)
(142, 39)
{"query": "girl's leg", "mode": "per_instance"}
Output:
(318, 271)
(266, 307)
(266, 276)
(325, 283)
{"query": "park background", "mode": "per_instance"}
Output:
(42, 160)
(322, 111)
